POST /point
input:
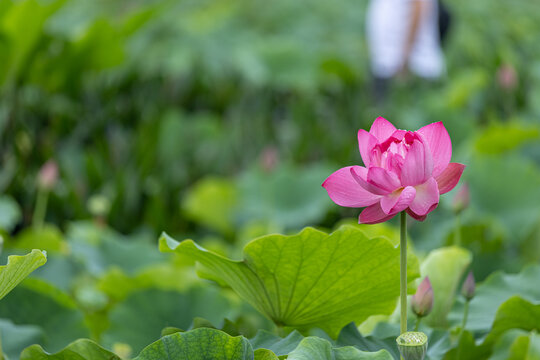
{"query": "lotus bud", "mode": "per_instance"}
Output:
(412, 345)
(467, 290)
(461, 199)
(422, 301)
(48, 175)
(269, 159)
(507, 77)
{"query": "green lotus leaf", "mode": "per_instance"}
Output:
(445, 268)
(14, 338)
(311, 279)
(141, 317)
(392, 234)
(198, 344)
(493, 292)
(466, 349)
(82, 349)
(517, 344)
(526, 347)
(313, 348)
(19, 267)
(35, 302)
(515, 313)
(350, 336)
(280, 346)
(264, 354)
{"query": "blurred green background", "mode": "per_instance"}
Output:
(218, 120)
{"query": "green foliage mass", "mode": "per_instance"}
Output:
(218, 120)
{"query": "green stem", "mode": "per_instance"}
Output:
(418, 319)
(457, 231)
(462, 330)
(465, 315)
(41, 208)
(403, 272)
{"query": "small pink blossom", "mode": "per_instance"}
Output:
(469, 287)
(403, 171)
(507, 77)
(461, 199)
(48, 175)
(422, 301)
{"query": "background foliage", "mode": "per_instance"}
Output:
(218, 121)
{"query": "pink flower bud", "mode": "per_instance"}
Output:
(507, 77)
(48, 175)
(467, 290)
(269, 159)
(422, 301)
(461, 199)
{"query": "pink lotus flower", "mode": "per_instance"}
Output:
(404, 170)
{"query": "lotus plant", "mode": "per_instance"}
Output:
(404, 172)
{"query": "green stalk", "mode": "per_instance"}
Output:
(418, 319)
(465, 315)
(461, 331)
(41, 208)
(403, 272)
(457, 232)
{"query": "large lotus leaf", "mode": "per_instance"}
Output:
(198, 344)
(311, 279)
(392, 234)
(494, 291)
(82, 349)
(19, 267)
(140, 318)
(526, 347)
(445, 268)
(350, 336)
(517, 345)
(466, 349)
(515, 313)
(313, 348)
(280, 346)
(14, 338)
(264, 354)
(35, 302)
